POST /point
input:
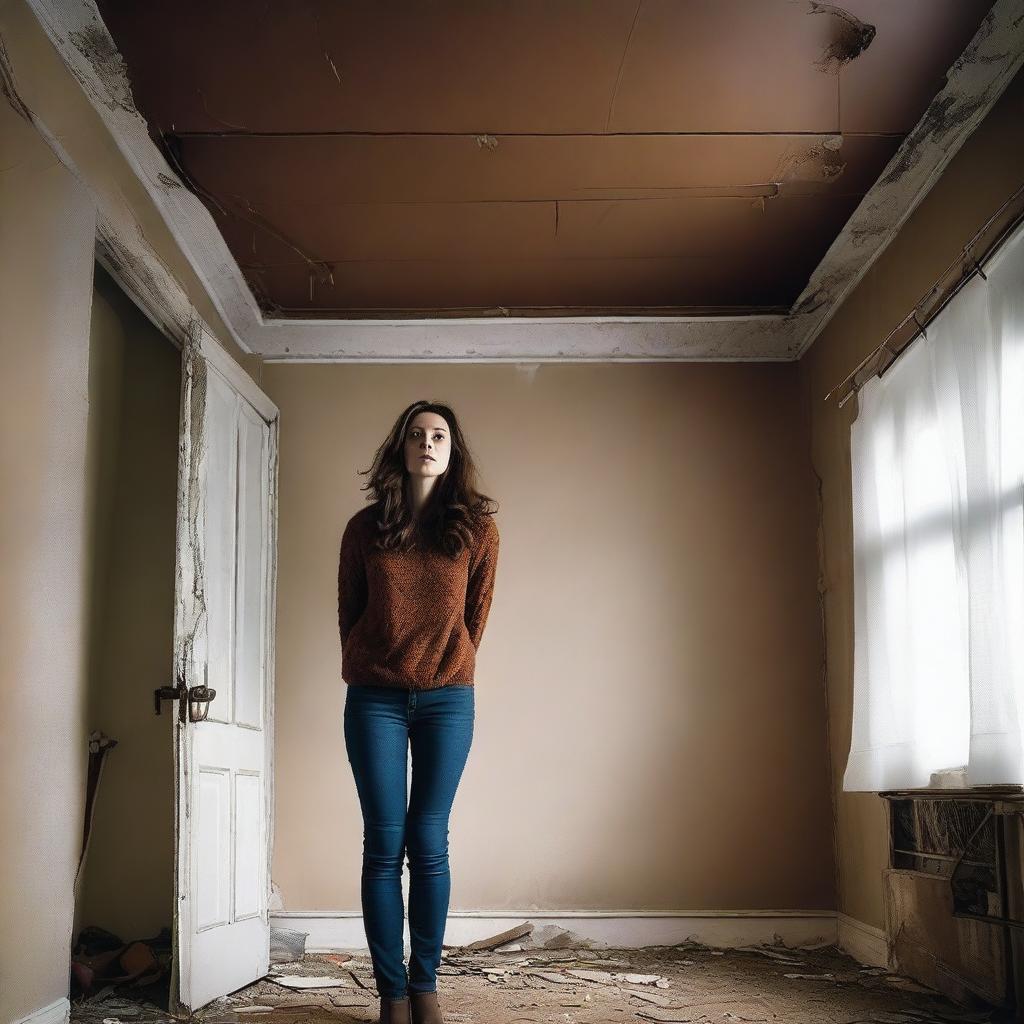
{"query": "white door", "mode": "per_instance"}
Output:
(223, 640)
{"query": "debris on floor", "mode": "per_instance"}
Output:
(303, 981)
(534, 976)
(102, 961)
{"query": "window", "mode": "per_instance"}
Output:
(938, 529)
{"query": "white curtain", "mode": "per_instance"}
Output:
(938, 534)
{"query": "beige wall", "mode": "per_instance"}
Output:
(46, 262)
(981, 176)
(650, 718)
(134, 389)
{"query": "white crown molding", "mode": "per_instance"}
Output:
(539, 339)
(973, 85)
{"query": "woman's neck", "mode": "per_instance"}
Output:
(418, 492)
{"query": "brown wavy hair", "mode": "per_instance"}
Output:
(454, 506)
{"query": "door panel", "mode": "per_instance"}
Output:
(220, 486)
(250, 602)
(226, 573)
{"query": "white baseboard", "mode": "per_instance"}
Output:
(330, 931)
(58, 1012)
(864, 942)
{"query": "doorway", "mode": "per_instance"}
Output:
(124, 900)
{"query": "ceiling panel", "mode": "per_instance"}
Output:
(366, 169)
(373, 66)
(721, 229)
(532, 284)
(542, 154)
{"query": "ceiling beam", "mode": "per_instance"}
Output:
(973, 84)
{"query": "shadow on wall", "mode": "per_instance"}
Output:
(125, 886)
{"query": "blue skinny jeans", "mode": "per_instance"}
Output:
(381, 723)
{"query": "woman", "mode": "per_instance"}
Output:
(415, 580)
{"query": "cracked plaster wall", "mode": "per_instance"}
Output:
(46, 269)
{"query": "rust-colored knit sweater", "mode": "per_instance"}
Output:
(412, 620)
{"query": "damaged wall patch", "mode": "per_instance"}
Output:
(852, 37)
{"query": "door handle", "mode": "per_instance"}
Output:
(200, 695)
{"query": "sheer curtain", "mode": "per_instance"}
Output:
(938, 536)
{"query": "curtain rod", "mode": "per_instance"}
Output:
(913, 315)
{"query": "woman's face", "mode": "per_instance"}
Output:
(427, 435)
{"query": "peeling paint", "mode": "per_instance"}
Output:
(819, 162)
(973, 84)
(89, 55)
(191, 613)
(189, 619)
(96, 47)
(852, 38)
(168, 181)
(941, 116)
(488, 142)
(197, 441)
(141, 282)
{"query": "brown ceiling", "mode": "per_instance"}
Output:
(540, 157)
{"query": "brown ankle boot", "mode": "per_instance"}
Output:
(394, 1011)
(424, 1008)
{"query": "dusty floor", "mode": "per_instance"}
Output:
(586, 985)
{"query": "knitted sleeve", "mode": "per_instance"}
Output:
(352, 592)
(480, 587)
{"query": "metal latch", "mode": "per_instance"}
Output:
(197, 699)
(163, 693)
